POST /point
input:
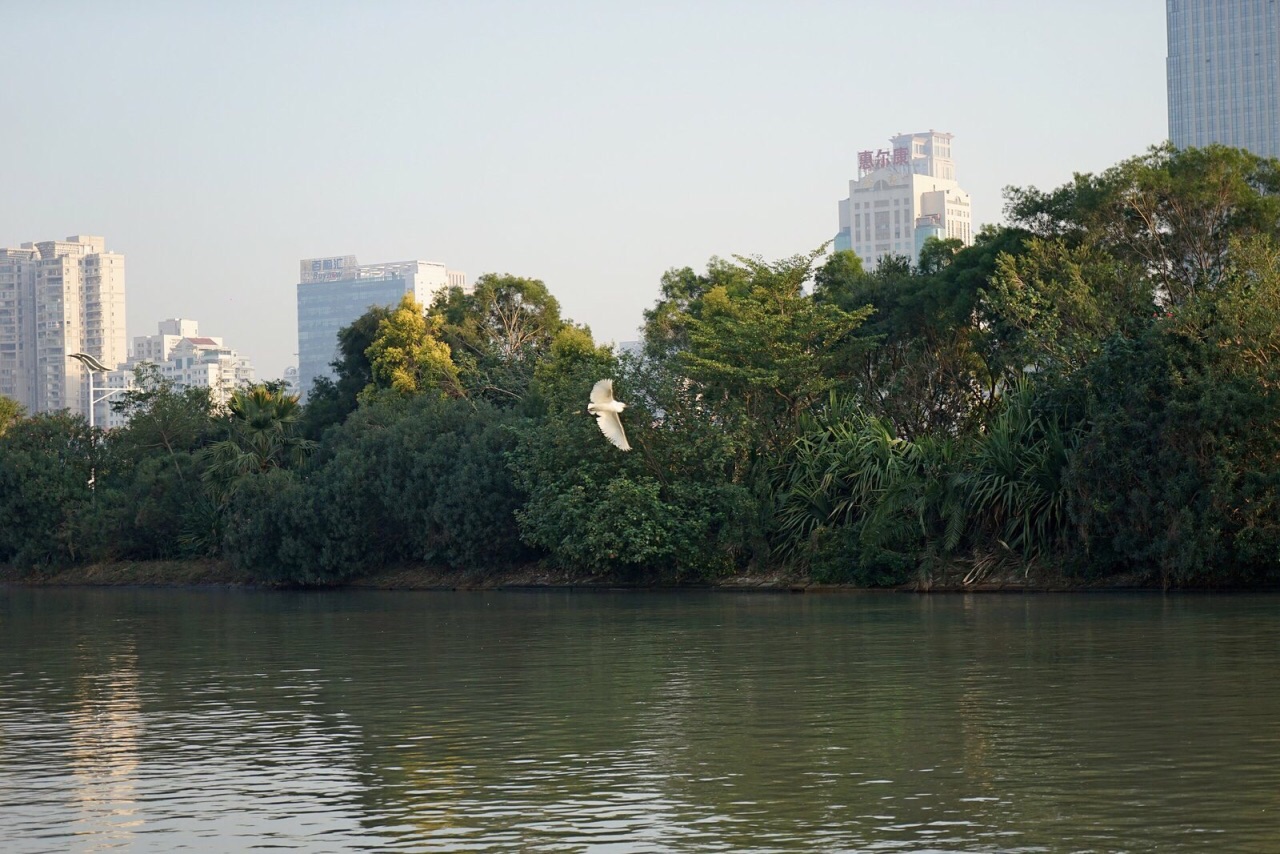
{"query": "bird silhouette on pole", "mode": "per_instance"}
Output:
(606, 411)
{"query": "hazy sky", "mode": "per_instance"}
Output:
(592, 145)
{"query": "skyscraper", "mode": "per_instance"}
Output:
(903, 196)
(59, 297)
(1224, 74)
(333, 292)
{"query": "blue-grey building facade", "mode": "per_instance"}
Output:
(334, 292)
(1224, 74)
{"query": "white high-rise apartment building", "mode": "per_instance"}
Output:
(59, 297)
(902, 196)
(334, 292)
(187, 359)
(156, 348)
(1224, 74)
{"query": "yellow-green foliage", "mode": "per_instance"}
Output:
(408, 356)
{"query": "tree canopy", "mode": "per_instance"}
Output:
(1092, 391)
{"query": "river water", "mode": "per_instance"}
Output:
(215, 720)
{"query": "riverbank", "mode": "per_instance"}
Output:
(157, 573)
(219, 573)
(196, 573)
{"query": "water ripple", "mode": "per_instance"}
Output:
(215, 721)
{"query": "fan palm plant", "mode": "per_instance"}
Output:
(263, 426)
(1014, 477)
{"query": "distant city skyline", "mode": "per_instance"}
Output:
(592, 146)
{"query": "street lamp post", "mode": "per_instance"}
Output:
(93, 366)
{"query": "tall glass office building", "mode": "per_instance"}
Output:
(1224, 74)
(333, 292)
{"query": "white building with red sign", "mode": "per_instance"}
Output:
(902, 196)
(185, 358)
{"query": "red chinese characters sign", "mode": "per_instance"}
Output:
(869, 161)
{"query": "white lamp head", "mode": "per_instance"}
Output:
(90, 362)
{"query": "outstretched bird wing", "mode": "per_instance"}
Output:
(611, 425)
(602, 392)
(606, 410)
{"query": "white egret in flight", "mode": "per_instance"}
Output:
(606, 411)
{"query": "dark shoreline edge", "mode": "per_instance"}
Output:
(209, 573)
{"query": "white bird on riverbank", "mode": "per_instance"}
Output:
(606, 411)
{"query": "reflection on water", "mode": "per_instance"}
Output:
(103, 737)
(154, 720)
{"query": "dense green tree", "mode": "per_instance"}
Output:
(10, 412)
(742, 351)
(923, 363)
(150, 498)
(404, 479)
(665, 507)
(1094, 389)
(592, 507)
(1050, 308)
(46, 464)
(681, 293)
(560, 461)
(408, 356)
(497, 333)
(163, 419)
(1179, 472)
(762, 351)
(1170, 215)
(271, 526)
(443, 477)
(938, 253)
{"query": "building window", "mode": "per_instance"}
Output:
(882, 225)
